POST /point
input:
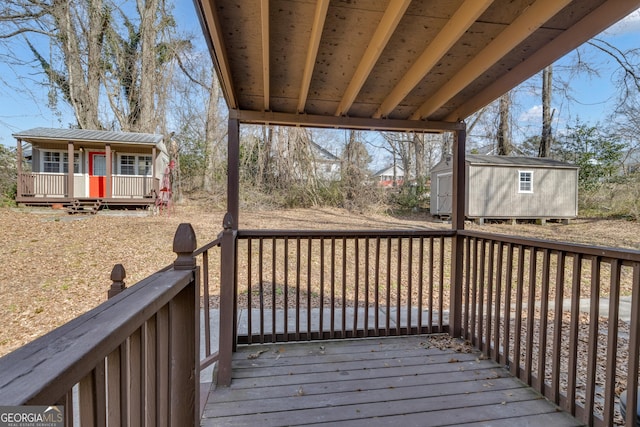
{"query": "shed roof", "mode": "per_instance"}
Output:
(36, 135)
(476, 159)
(387, 64)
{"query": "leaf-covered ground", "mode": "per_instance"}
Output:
(55, 266)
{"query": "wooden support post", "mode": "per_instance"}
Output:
(233, 172)
(70, 163)
(118, 275)
(227, 301)
(109, 165)
(20, 188)
(457, 223)
(184, 335)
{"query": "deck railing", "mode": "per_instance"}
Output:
(41, 184)
(551, 313)
(132, 360)
(310, 285)
(134, 186)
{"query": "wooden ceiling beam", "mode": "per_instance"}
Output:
(264, 18)
(455, 28)
(342, 122)
(392, 16)
(590, 26)
(207, 16)
(312, 52)
(522, 27)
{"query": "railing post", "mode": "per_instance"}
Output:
(184, 335)
(118, 274)
(227, 300)
(457, 223)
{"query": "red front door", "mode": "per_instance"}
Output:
(97, 173)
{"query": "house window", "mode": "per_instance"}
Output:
(144, 165)
(127, 165)
(58, 162)
(76, 162)
(526, 182)
(130, 164)
(51, 162)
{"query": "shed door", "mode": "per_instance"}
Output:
(97, 173)
(444, 183)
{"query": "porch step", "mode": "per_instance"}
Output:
(91, 206)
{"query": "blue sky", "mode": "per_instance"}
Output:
(21, 109)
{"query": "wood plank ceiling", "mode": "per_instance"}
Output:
(394, 60)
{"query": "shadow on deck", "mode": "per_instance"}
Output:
(409, 381)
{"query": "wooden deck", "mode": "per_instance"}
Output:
(408, 381)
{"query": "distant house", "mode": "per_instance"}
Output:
(71, 165)
(390, 176)
(327, 165)
(509, 188)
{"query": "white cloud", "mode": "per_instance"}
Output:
(630, 24)
(533, 114)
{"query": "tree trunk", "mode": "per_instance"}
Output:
(418, 145)
(211, 136)
(145, 119)
(545, 140)
(504, 143)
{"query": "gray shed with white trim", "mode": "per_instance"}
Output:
(505, 187)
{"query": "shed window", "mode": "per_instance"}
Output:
(144, 165)
(51, 162)
(526, 182)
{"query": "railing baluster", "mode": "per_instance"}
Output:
(481, 295)
(506, 359)
(531, 315)
(498, 304)
(274, 290)
(398, 288)
(298, 272)
(410, 286)
(612, 343)
(135, 378)
(573, 334)
(544, 309)
(249, 294)
(474, 295)
(261, 286)
(592, 344)
(388, 290)
(356, 264)
(163, 363)
(309, 265)
(420, 283)
(517, 344)
(366, 287)
(467, 288)
(377, 288)
(557, 328)
(431, 269)
(333, 288)
(285, 292)
(150, 370)
(490, 284)
(321, 317)
(441, 287)
(634, 349)
(343, 329)
(207, 303)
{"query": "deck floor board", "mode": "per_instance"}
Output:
(373, 382)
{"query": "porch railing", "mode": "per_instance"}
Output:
(310, 285)
(133, 360)
(39, 184)
(134, 186)
(553, 314)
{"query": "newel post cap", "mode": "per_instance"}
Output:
(184, 243)
(118, 274)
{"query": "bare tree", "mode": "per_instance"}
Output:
(504, 132)
(547, 115)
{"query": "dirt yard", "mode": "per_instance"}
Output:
(55, 266)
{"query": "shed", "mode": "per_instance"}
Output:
(71, 166)
(504, 187)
